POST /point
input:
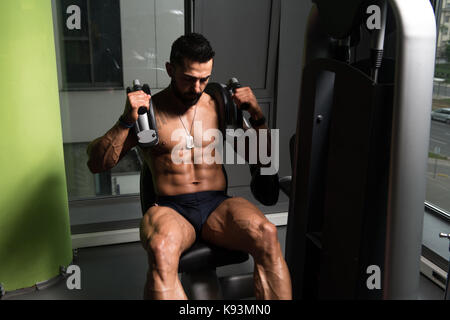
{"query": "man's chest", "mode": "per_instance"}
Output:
(188, 132)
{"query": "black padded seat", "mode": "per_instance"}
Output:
(201, 255)
(285, 185)
(206, 256)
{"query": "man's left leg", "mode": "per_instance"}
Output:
(239, 225)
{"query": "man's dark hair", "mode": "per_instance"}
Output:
(192, 46)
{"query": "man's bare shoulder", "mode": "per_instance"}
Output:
(160, 98)
(209, 101)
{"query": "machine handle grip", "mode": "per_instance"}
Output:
(233, 84)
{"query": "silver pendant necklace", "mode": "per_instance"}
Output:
(189, 138)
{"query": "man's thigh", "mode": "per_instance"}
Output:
(234, 224)
(164, 224)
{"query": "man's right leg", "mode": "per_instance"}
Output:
(165, 235)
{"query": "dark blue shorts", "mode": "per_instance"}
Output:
(195, 207)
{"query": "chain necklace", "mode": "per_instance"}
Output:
(189, 137)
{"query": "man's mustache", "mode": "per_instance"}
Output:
(189, 98)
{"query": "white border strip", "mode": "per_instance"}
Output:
(96, 239)
(278, 219)
(427, 267)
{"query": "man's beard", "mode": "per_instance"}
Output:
(188, 99)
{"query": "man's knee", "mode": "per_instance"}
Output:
(269, 233)
(159, 237)
(164, 251)
(266, 240)
(163, 248)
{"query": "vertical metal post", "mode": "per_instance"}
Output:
(188, 16)
(416, 45)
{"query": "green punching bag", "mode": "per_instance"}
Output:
(34, 217)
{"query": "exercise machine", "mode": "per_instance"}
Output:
(145, 126)
(360, 152)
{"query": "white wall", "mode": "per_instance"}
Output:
(239, 32)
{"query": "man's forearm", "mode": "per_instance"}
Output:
(105, 152)
(267, 147)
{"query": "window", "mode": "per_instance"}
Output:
(91, 43)
(438, 175)
(437, 199)
(103, 45)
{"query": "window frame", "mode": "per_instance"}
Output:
(93, 85)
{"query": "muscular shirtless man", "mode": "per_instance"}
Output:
(191, 201)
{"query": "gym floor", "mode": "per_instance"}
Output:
(117, 272)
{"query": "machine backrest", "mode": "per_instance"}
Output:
(147, 190)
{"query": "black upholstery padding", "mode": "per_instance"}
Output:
(147, 191)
